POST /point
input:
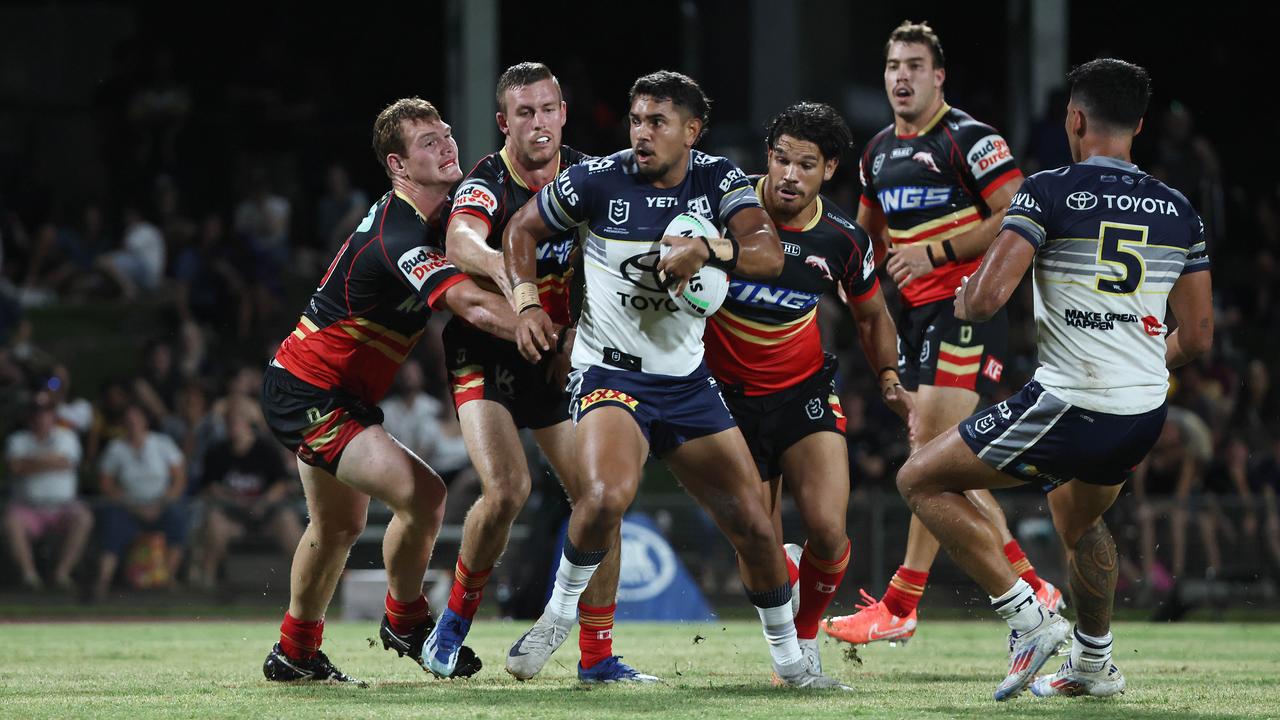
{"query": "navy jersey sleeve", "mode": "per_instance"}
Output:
(987, 159)
(860, 282)
(1198, 252)
(479, 195)
(1026, 215)
(736, 192)
(563, 202)
(424, 267)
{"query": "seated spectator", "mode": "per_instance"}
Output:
(42, 474)
(158, 381)
(247, 493)
(419, 420)
(139, 264)
(75, 413)
(108, 419)
(341, 208)
(142, 484)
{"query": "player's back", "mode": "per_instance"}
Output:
(1111, 242)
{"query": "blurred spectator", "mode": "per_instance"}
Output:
(192, 427)
(1265, 481)
(1187, 161)
(142, 482)
(108, 419)
(247, 492)
(262, 218)
(157, 384)
(209, 287)
(419, 421)
(139, 264)
(1162, 486)
(158, 110)
(74, 413)
(340, 209)
(244, 392)
(42, 474)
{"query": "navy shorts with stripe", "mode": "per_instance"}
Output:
(670, 410)
(1038, 438)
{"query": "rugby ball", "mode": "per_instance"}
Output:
(706, 290)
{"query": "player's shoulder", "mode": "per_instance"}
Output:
(489, 168)
(885, 133)
(962, 123)
(607, 168)
(836, 215)
(704, 163)
(1156, 186)
(571, 156)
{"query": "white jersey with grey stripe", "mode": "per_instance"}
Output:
(1110, 242)
(620, 217)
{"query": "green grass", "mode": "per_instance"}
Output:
(190, 669)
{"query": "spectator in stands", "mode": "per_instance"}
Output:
(262, 220)
(157, 383)
(142, 482)
(244, 390)
(1264, 480)
(247, 492)
(340, 209)
(210, 288)
(42, 464)
(420, 421)
(75, 413)
(139, 263)
(108, 419)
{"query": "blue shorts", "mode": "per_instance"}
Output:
(1038, 438)
(669, 409)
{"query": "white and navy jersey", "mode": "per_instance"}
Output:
(1110, 243)
(628, 320)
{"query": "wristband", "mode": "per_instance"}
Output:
(949, 250)
(721, 252)
(887, 368)
(526, 296)
(928, 250)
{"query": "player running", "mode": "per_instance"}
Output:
(937, 183)
(765, 348)
(1109, 245)
(640, 385)
(321, 391)
(496, 391)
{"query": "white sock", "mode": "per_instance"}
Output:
(1019, 607)
(571, 580)
(780, 633)
(1089, 653)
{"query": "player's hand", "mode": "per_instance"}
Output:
(901, 402)
(908, 262)
(962, 312)
(686, 258)
(535, 334)
(559, 365)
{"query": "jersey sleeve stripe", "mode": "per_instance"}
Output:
(875, 288)
(1000, 180)
(436, 295)
(474, 213)
(1028, 229)
(552, 214)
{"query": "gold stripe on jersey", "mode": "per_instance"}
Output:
(375, 344)
(932, 122)
(964, 216)
(305, 322)
(405, 198)
(728, 321)
(388, 332)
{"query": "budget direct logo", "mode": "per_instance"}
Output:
(420, 263)
(648, 564)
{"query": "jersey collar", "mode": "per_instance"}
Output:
(405, 198)
(942, 111)
(807, 226)
(506, 160)
(1110, 162)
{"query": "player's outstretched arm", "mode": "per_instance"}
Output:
(759, 249)
(534, 330)
(488, 311)
(467, 245)
(1191, 301)
(879, 338)
(981, 295)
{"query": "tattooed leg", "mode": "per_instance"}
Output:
(1094, 568)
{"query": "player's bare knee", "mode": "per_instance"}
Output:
(1072, 527)
(337, 532)
(506, 497)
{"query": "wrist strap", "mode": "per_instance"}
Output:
(949, 250)
(525, 296)
(928, 250)
(723, 252)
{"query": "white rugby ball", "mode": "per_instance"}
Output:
(706, 290)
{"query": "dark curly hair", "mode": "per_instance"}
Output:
(815, 122)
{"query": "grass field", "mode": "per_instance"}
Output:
(193, 669)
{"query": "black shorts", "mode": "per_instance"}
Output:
(934, 348)
(484, 367)
(773, 423)
(315, 423)
(1038, 438)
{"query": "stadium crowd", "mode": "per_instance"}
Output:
(170, 444)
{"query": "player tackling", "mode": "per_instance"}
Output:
(1109, 245)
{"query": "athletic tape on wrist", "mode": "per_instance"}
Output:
(526, 296)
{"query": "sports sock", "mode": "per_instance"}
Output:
(405, 616)
(595, 632)
(905, 588)
(575, 571)
(1089, 653)
(1019, 607)
(467, 590)
(1021, 565)
(774, 607)
(300, 639)
(819, 580)
(793, 570)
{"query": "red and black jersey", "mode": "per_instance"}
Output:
(493, 191)
(933, 186)
(765, 337)
(373, 303)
